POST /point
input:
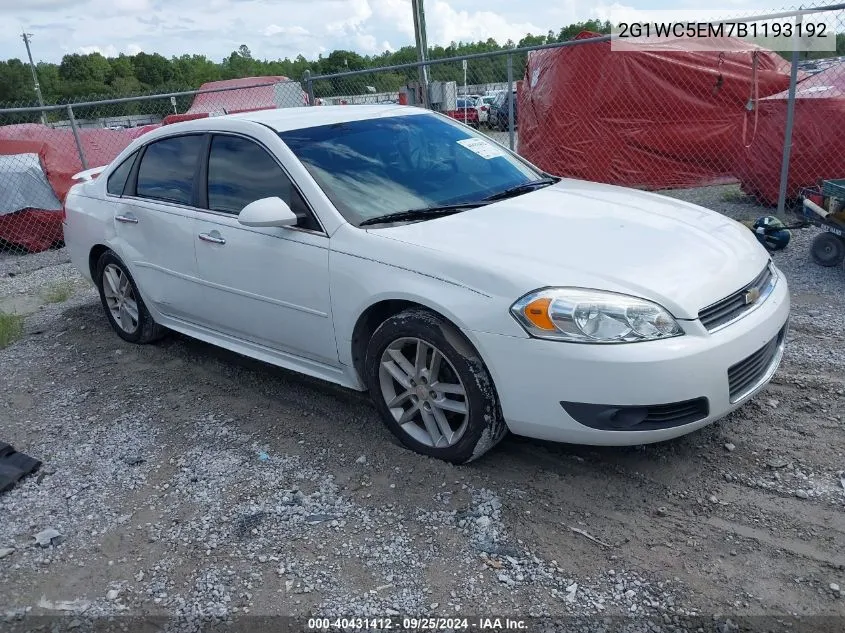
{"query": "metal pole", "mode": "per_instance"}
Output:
(26, 37)
(422, 48)
(790, 117)
(465, 91)
(309, 88)
(76, 137)
(510, 101)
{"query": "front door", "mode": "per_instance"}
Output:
(269, 285)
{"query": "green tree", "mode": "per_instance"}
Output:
(93, 68)
(121, 68)
(49, 80)
(152, 70)
(16, 83)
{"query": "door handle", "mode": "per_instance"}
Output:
(205, 237)
(126, 218)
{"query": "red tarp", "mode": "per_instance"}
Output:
(279, 93)
(818, 138)
(38, 229)
(657, 116)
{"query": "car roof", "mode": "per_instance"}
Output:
(283, 119)
(279, 120)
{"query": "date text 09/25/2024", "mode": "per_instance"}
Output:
(416, 624)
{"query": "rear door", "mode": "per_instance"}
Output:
(154, 220)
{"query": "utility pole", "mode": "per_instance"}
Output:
(422, 46)
(26, 37)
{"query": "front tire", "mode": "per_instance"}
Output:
(124, 307)
(432, 389)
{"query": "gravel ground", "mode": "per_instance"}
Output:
(186, 481)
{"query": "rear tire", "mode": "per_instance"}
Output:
(431, 388)
(123, 305)
(827, 250)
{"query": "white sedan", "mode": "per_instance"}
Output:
(393, 250)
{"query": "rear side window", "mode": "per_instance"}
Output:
(117, 180)
(167, 169)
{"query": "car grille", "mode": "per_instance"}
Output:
(745, 375)
(735, 305)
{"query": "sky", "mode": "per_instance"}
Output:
(275, 29)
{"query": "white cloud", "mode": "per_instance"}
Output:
(131, 6)
(445, 24)
(106, 51)
(365, 43)
(109, 50)
(275, 29)
(360, 11)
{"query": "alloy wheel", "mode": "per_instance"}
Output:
(120, 298)
(423, 392)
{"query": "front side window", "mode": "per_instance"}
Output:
(167, 169)
(240, 172)
(384, 165)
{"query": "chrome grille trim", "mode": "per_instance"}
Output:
(733, 307)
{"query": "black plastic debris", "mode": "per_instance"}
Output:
(14, 466)
(246, 523)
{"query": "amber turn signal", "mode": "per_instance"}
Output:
(537, 312)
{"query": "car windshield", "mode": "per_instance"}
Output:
(383, 165)
(465, 103)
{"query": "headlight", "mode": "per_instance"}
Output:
(593, 316)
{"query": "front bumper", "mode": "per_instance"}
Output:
(537, 381)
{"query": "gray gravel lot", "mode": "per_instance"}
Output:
(185, 480)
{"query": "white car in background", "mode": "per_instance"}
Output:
(394, 250)
(484, 104)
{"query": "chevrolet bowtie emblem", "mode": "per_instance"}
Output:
(751, 296)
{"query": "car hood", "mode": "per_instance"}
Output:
(585, 234)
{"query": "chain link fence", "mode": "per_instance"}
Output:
(42, 148)
(766, 124)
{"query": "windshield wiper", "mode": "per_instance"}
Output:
(523, 188)
(423, 213)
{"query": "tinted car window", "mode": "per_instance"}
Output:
(389, 164)
(241, 171)
(167, 169)
(117, 180)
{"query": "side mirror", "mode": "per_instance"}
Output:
(267, 212)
